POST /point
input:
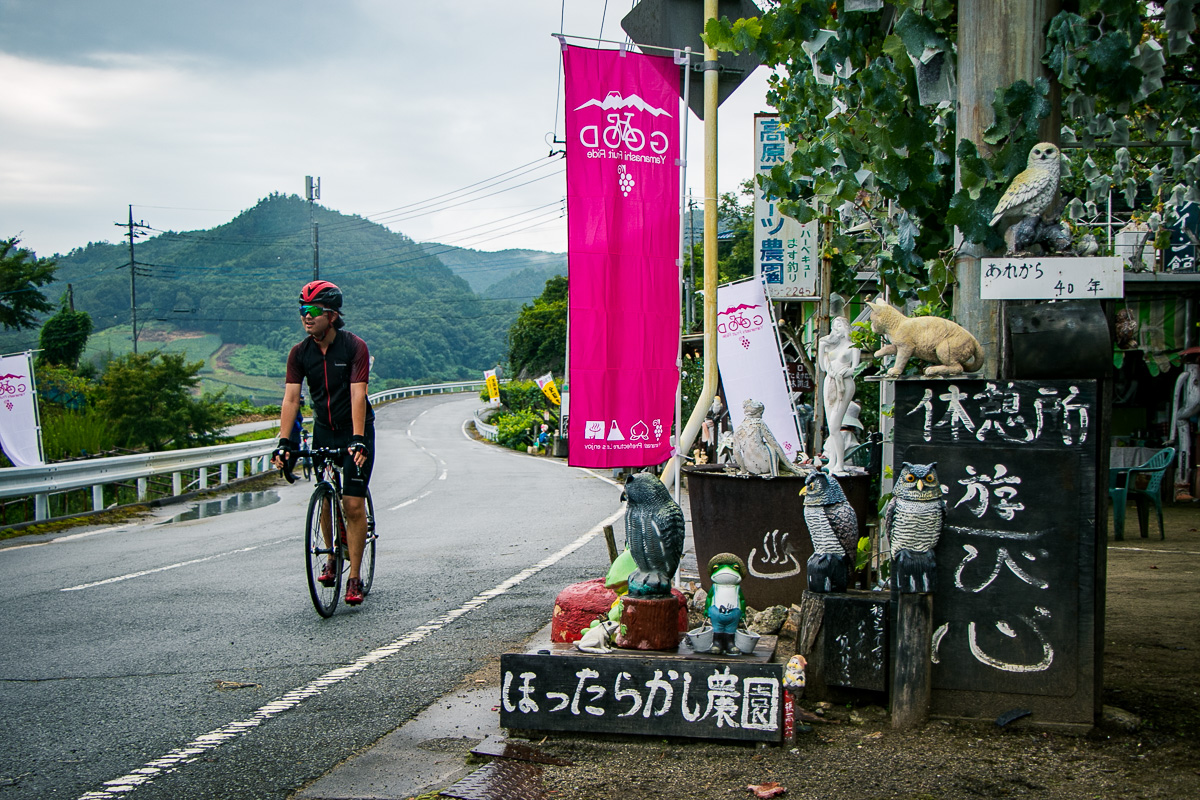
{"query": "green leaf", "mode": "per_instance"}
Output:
(918, 32)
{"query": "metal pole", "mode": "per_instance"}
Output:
(687, 86)
(684, 442)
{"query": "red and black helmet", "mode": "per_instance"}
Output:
(322, 292)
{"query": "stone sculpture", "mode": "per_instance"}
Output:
(838, 358)
(755, 449)
(947, 344)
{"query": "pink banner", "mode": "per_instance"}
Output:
(623, 243)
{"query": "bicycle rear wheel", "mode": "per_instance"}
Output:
(324, 513)
(367, 568)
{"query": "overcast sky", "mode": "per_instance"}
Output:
(193, 111)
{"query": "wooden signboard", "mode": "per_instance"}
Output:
(729, 698)
(856, 641)
(1014, 612)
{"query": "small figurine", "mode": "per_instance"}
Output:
(755, 448)
(1185, 404)
(794, 676)
(726, 605)
(912, 524)
(833, 526)
(838, 358)
(654, 533)
(598, 638)
(947, 344)
(1034, 190)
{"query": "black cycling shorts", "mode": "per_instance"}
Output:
(354, 479)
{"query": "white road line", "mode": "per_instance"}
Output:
(421, 496)
(172, 566)
(68, 538)
(120, 787)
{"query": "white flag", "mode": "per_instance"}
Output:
(19, 434)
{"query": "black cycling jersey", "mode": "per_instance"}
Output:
(329, 376)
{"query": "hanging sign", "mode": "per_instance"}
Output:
(751, 364)
(19, 432)
(622, 141)
(546, 384)
(785, 252)
(1052, 278)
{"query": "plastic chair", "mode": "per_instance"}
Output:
(1122, 483)
(865, 455)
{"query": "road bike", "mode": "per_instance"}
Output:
(327, 514)
(305, 461)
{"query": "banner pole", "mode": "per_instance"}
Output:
(683, 138)
(37, 412)
(710, 249)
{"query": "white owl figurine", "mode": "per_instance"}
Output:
(1034, 190)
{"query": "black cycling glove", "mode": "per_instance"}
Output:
(287, 452)
(358, 444)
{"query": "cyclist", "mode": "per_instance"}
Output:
(336, 365)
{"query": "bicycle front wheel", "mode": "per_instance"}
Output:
(320, 549)
(367, 569)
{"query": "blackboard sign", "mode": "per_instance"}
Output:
(706, 699)
(856, 641)
(1014, 604)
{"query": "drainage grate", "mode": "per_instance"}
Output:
(501, 780)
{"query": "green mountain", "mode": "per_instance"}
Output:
(240, 282)
(488, 273)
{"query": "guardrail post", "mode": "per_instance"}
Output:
(98, 497)
(41, 506)
(176, 483)
(241, 468)
(224, 474)
(203, 479)
(143, 485)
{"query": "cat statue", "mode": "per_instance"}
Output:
(948, 344)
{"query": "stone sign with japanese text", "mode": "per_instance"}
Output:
(1014, 608)
(704, 699)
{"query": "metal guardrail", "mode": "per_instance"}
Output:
(485, 430)
(234, 460)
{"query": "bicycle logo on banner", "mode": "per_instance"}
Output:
(739, 322)
(620, 131)
(9, 387)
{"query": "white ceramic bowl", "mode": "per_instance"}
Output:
(745, 641)
(700, 639)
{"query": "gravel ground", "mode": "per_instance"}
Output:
(1152, 656)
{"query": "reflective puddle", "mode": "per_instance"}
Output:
(242, 501)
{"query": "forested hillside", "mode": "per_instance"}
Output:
(491, 274)
(240, 281)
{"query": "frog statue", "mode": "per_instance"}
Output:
(726, 605)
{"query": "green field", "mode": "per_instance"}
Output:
(213, 378)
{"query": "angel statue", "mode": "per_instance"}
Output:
(838, 358)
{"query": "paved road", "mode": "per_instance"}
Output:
(115, 641)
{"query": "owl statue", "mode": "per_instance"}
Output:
(1033, 191)
(755, 448)
(912, 523)
(833, 526)
(654, 531)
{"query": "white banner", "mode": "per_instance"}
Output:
(19, 435)
(785, 252)
(750, 362)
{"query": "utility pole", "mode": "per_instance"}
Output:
(134, 230)
(312, 188)
(998, 43)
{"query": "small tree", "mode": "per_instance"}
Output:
(64, 336)
(147, 399)
(22, 274)
(537, 341)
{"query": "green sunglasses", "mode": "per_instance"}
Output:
(312, 311)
